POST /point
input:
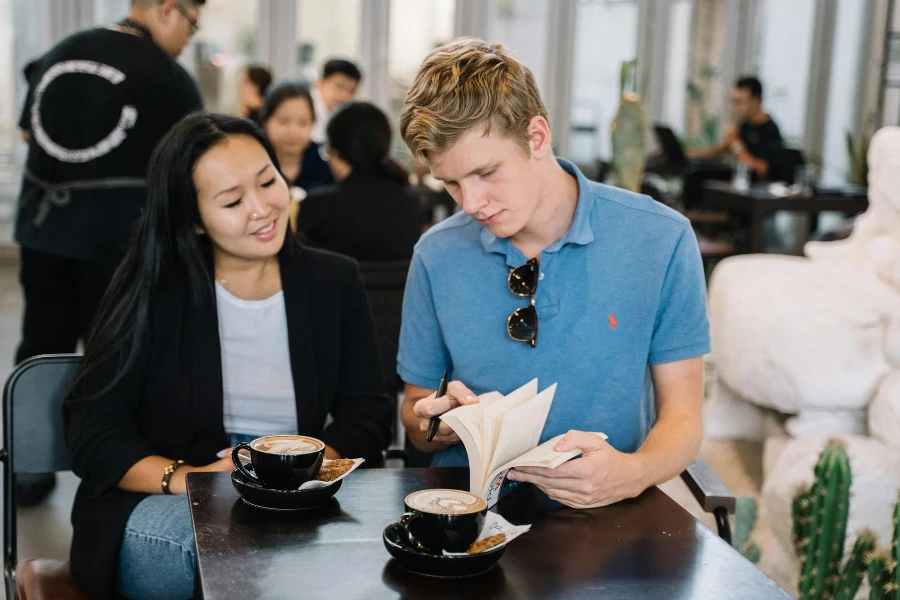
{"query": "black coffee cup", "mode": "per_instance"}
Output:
(281, 462)
(442, 519)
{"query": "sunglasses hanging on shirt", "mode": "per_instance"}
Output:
(522, 324)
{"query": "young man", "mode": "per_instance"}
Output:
(340, 79)
(614, 310)
(754, 140)
(754, 137)
(97, 104)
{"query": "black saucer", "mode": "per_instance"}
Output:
(437, 565)
(258, 496)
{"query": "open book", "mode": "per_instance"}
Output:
(501, 432)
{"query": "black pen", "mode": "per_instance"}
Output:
(435, 421)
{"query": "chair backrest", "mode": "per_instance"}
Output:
(32, 413)
(783, 164)
(385, 282)
(33, 437)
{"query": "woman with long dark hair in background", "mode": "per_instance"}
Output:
(218, 328)
(371, 213)
(288, 117)
(255, 80)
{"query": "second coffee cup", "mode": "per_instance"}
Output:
(441, 519)
(281, 462)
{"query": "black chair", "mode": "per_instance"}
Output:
(783, 164)
(33, 442)
(385, 282)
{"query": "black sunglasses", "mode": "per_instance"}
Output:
(522, 324)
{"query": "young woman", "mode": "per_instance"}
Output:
(371, 213)
(288, 117)
(218, 328)
(255, 80)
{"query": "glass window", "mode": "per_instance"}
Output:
(522, 26)
(848, 54)
(225, 43)
(677, 65)
(416, 27)
(326, 30)
(605, 37)
(782, 60)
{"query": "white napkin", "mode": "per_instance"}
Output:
(315, 483)
(494, 524)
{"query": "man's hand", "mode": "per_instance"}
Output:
(601, 476)
(457, 395)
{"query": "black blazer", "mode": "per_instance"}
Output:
(314, 171)
(369, 218)
(170, 403)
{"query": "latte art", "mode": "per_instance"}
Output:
(288, 444)
(445, 502)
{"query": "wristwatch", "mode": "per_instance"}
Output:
(167, 475)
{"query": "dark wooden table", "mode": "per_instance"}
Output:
(757, 202)
(644, 548)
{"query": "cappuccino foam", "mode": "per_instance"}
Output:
(445, 502)
(286, 445)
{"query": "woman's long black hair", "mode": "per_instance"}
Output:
(361, 135)
(166, 243)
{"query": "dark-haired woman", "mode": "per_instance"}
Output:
(255, 80)
(288, 117)
(216, 329)
(372, 212)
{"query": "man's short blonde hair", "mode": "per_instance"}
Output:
(465, 84)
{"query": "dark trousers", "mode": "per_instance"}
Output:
(61, 298)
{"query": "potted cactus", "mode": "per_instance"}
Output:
(820, 515)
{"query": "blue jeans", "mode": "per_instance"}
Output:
(158, 556)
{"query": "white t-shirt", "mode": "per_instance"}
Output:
(323, 115)
(256, 365)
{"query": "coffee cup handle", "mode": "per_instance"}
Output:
(239, 465)
(404, 522)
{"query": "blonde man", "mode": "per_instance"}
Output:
(611, 280)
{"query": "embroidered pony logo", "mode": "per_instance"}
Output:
(613, 323)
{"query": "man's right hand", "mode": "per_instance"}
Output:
(428, 407)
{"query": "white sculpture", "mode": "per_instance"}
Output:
(818, 337)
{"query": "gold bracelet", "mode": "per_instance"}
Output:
(167, 475)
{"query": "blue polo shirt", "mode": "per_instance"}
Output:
(621, 290)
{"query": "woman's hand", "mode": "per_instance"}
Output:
(178, 483)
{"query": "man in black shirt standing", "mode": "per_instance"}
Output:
(754, 140)
(98, 102)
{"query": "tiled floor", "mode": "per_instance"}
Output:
(45, 530)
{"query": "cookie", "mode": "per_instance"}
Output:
(334, 469)
(486, 544)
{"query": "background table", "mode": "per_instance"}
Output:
(757, 202)
(644, 548)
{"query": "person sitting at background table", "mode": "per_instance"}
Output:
(337, 85)
(754, 140)
(287, 115)
(614, 279)
(255, 80)
(218, 328)
(372, 212)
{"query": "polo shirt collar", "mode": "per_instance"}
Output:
(579, 232)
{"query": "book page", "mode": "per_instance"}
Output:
(520, 429)
(467, 422)
(493, 415)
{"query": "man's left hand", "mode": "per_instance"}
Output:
(601, 476)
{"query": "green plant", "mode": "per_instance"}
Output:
(858, 152)
(879, 575)
(820, 523)
(744, 521)
(628, 133)
(854, 570)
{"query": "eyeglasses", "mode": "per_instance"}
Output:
(195, 26)
(522, 324)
